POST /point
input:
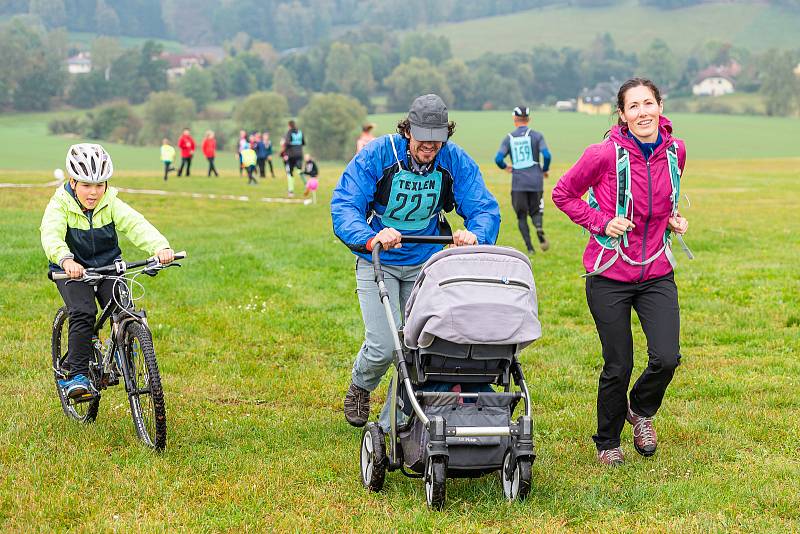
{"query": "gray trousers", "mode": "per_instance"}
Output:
(375, 355)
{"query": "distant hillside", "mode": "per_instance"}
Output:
(756, 27)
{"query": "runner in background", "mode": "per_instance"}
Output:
(167, 156)
(187, 145)
(292, 144)
(527, 175)
(243, 143)
(268, 148)
(210, 151)
(365, 137)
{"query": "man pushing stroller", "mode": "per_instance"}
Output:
(404, 183)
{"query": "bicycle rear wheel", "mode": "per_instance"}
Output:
(146, 396)
(83, 411)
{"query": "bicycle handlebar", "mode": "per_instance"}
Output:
(119, 267)
(411, 239)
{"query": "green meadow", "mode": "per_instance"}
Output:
(756, 27)
(256, 333)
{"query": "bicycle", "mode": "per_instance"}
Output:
(127, 353)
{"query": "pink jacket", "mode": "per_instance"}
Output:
(651, 188)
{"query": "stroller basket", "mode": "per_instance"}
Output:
(452, 362)
(470, 454)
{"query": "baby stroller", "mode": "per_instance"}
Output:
(471, 311)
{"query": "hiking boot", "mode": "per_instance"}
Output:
(544, 243)
(76, 386)
(644, 435)
(611, 457)
(356, 406)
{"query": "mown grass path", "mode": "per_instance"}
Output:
(255, 338)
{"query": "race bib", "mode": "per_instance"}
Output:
(412, 200)
(521, 152)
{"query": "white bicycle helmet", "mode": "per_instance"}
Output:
(90, 163)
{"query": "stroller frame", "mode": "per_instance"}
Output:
(516, 468)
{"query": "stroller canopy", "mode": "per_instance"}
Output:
(473, 295)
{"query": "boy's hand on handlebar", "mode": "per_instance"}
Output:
(165, 256)
(389, 238)
(464, 237)
(72, 268)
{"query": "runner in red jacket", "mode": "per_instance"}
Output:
(210, 151)
(187, 145)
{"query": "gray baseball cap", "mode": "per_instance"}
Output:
(428, 118)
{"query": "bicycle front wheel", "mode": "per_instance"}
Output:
(145, 394)
(84, 411)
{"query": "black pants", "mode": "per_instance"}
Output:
(271, 170)
(251, 170)
(188, 163)
(167, 167)
(528, 204)
(656, 304)
(294, 162)
(261, 166)
(211, 167)
(80, 300)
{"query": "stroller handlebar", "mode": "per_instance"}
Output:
(412, 239)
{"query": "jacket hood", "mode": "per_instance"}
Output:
(619, 134)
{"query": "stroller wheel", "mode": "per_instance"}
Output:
(518, 485)
(373, 457)
(435, 482)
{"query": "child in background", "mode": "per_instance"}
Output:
(243, 143)
(310, 173)
(167, 156)
(249, 163)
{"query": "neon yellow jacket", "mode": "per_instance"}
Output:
(167, 153)
(90, 238)
(248, 157)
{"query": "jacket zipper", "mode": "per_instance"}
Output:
(91, 232)
(500, 281)
(649, 214)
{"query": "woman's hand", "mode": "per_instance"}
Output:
(72, 268)
(464, 237)
(618, 226)
(165, 256)
(678, 224)
(389, 238)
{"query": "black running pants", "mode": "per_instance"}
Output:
(529, 204)
(188, 163)
(656, 304)
(211, 167)
(79, 298)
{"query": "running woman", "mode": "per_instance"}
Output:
(637, 273)
(404, 182)
(525, 146)
(79, 229)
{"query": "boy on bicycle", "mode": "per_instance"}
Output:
(79, 230)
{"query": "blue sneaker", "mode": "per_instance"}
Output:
(76, 386)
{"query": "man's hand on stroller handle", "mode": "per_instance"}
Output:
(388, 238)
(464, 237)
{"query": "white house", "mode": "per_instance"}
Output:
(178, 64)
(80, 64)
(716, 80)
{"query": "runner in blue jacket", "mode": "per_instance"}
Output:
(402, 184)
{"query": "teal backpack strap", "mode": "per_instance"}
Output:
(675, 178)
(623, 205)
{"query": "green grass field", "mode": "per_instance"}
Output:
(756, 27)
(256, 334)
(26, 145)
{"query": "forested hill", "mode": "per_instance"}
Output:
(298, 23)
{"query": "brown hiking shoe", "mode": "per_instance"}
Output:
(611, 457)
(356, 406)
(644, 435)
(545, 244)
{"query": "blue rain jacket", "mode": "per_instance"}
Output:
(367, 180)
